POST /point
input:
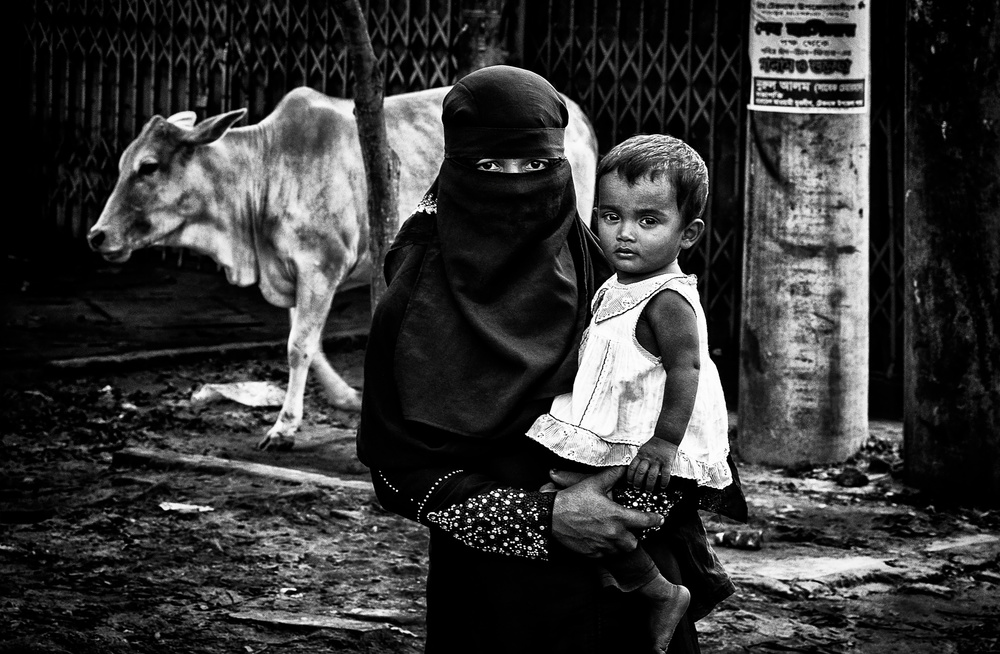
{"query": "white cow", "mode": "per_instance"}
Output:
(283, 204)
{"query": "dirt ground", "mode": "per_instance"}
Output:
(92, 562)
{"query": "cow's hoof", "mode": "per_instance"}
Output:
(277, 442)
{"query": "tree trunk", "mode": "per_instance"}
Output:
(804, 343)
(951, 405)
(380, 161)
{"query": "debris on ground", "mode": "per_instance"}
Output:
(744, 539)
(296, 556)
(180, 507)
(251, 393)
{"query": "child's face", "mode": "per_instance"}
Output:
(512, 165)
(640, 226)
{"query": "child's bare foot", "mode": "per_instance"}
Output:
(670, 602)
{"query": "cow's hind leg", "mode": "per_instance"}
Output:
(340, 394)
(308, 318)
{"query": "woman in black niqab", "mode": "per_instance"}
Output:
(489, 287)
(502, 295)
(497, 274)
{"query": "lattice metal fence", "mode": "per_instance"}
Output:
(99, 69)
(886, 232)
(96, 70)
(678, 67)
(648, 66)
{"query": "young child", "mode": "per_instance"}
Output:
(646, 394)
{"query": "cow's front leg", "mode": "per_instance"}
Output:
(308, 318)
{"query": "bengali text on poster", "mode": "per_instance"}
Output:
(810, 56)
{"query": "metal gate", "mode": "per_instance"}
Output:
(96, 70)
(886, 226)
(648, 66)
(679, 67)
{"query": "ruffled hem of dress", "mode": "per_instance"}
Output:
(583, 446)
(713, 475)
(578, 444)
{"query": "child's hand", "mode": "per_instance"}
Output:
(650, 469)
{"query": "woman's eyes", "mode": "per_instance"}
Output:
(512, 165)
(488, 165)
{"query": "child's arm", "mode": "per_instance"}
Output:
(668, 327)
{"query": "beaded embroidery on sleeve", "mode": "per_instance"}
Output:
(502, 521)
(429, 203)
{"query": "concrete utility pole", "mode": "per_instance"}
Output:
(951, 377)
(804, 339)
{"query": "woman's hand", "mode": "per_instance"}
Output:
(586, 521)
(565, 478)
(651, 467)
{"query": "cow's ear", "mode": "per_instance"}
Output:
(213, 128)
(183, 119)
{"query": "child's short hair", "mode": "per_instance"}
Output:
(650, 155)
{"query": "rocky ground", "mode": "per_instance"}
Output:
(99, 556)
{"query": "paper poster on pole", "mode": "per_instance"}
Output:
(810, 56)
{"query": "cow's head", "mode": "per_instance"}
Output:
(158, 188)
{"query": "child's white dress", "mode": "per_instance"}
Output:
(618, 391)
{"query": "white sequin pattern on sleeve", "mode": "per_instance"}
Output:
(503, 521)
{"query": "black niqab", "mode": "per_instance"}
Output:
(502, 295)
